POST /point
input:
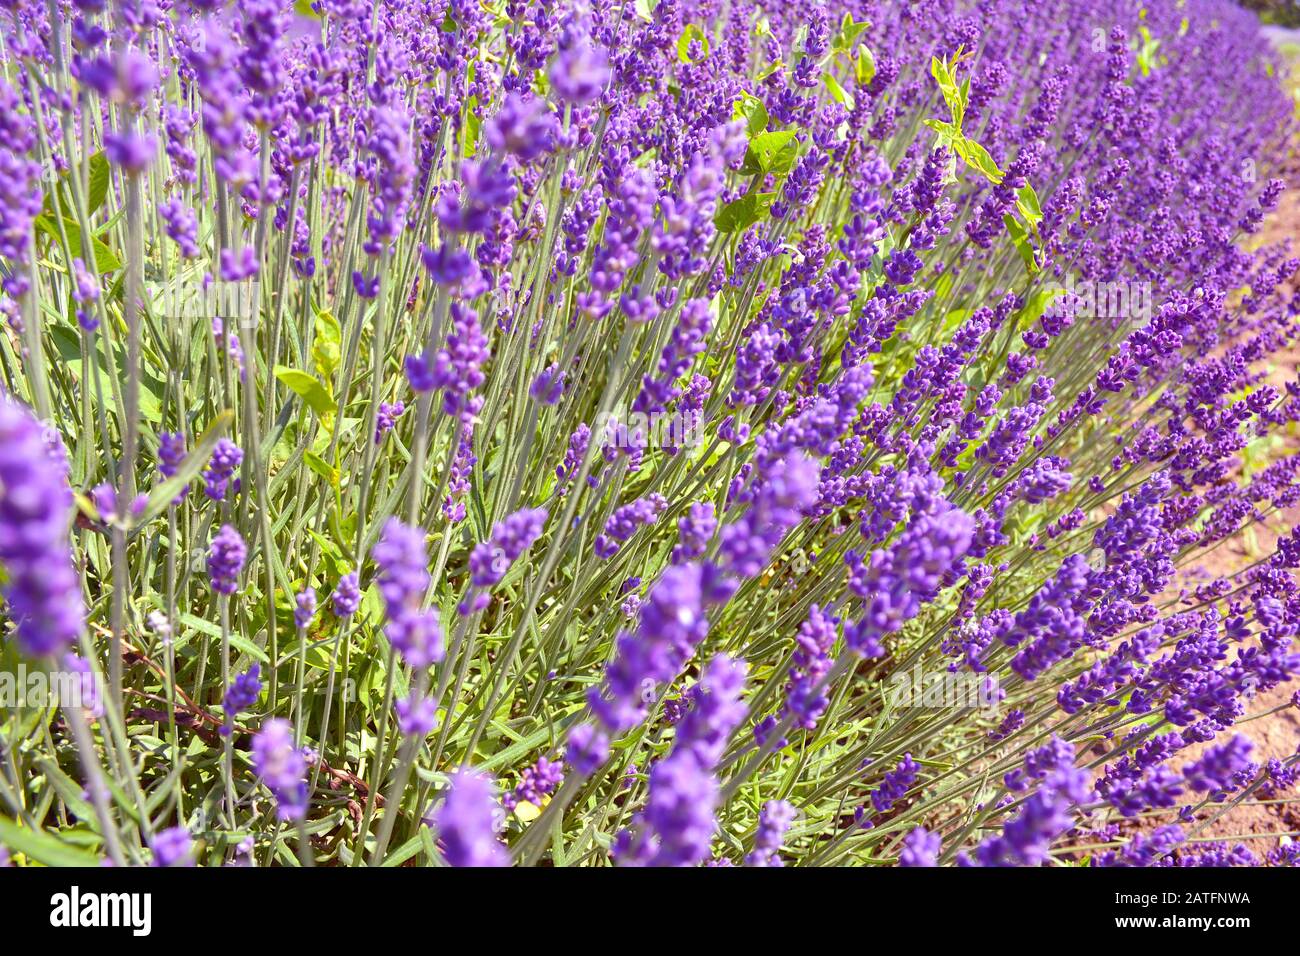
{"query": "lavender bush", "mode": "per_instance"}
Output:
(648, 433)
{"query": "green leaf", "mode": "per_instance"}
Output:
(838, 92)
(327, 345)
(1146, 58)
(304, 9)
(955, 94)
(864, 67)
(948, 87)
(1020, 237)
(744, 212)
(645, 10)
(771, 153)
(106, 259)
(691, 34)
(41, 846)
(753, 111)
(98, 190)
(849, 32)
(67, 341)
(978, 158)
(70, 792)
(308, 388)
(318, 464)
(1027, 205)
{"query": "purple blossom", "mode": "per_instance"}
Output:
(282, 767)
(920, 848)
(510, 540)
(467, 821)
(226, 555)
(41, 587)
(172, 847)
(414, 631)
(773, 822)
(346, 598)
(241, 695)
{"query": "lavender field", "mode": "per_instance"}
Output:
(645, 433)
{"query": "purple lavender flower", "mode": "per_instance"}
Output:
(672, 623)
(226, 458)
(783, 493)
(414, 630)
(535, 783)
(920, 848)
(282, 767)
(510, 540)
(678, 824)
(346, 598)
(172, 847)
(805, 698)
(895, 784)
(580, 72)
(1218, 765)
(241, 695)
(171, 455)
(304, 608)
(81, 670)
(386, 419)
(695, 529)
(467, 821)
(226, 555)
(624, 522)
(587, 749)
(523, 126)
(773, 822)
(41, 587)
(416, 716)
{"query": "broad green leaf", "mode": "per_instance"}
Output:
(771, 153)
(1146, 58)
(752, 110)
(308, 388)
(864, 67)
(849, 32)
(744, 212)
(955, 94)
(318, 464)
(644, 9)
(978, 158)
(1027, 205)
(948, 87)
(327, 345)
(67, 341)
(98, 186)
(1020, 237)
(838, 92)
(106, 259)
